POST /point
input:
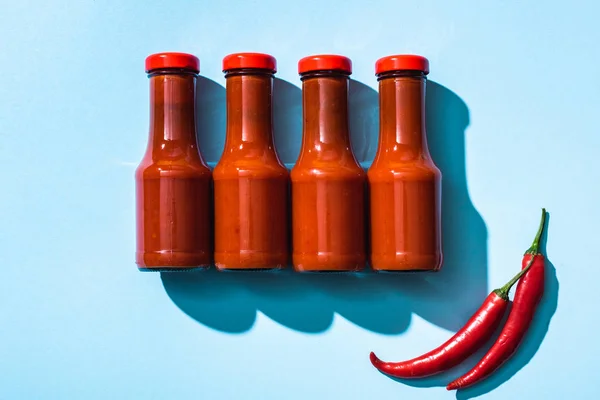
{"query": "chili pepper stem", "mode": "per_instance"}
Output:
(535, 247)
(504, 290)
(534, 251)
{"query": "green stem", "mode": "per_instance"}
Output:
(533, 251)
(504, 290)
(535, 247)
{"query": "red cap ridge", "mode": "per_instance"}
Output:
(325, 62)
(249, 60)
(172, 60)
(402, 62)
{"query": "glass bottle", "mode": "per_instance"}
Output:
(173, 195)
(405, 184)
(328, 224)
(251, 183)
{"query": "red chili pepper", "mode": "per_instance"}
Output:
(527, 296)
(465, 342)
(478, 329)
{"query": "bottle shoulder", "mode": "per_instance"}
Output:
(327, 170)
(178, 168)
(234, 167)
(422, 169)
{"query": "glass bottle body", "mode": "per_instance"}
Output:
(328, 184)
(251, 183)
(173, 183)
(404, 183)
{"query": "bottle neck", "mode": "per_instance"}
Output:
(172, 110)
(325, 111)
(402, 116)
(249, 109)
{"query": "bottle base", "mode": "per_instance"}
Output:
(328, 263)
(328, 271)
(174, 269)
(406, 263)
(404, 271)
(242, 270)
(164, 261)
(247, 260)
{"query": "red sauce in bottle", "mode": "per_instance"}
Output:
(327, 182)
(173, 195)
(405, 184)
(251, 183)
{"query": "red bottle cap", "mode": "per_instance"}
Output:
(325, 62)
(402, 62)
(172, 60)
(249, 60)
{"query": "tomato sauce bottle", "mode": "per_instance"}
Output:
(328, 184)
(173, 183)
(405, 184)
(251, 183)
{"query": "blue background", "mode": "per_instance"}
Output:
(512, 106)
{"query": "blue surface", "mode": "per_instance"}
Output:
(513, 124)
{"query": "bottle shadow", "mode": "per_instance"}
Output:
(211, 119)
(287, 121)
(381, 303)
(363, 116)
(459, 287)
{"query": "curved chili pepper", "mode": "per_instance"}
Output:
(527, 296)
(478, 329)
(465, 342)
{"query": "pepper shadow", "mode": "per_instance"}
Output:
(381, 303)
